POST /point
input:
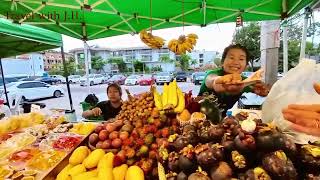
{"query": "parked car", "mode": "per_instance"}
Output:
(29, 78)
(146, 79)
(8, 80)
(132, 80)
(93, 80)
(31, 90)
(199, 77)
(163, 77)
(181, 76)
(60, 79)
(48, 80)
(106, 77)
(119, 78)
(74, 78)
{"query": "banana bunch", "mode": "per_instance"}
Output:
(172, 98)
(154, 42)
(183, 44)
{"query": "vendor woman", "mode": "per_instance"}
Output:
(234, 61)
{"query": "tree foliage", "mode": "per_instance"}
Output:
(249, 37)
(97, 63)
(138, 66)
(217, 61)
(119, 62)
(183, 62)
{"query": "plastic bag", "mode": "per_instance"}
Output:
(296, 87)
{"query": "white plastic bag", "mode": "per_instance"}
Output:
(296, 87)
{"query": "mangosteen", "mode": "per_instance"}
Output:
(204, 134)
(312, 177)
(231, 126)
(228, 142)
(173, 161)
(279, 166)
(221, 171)
(192, 136)
(249, 126)
(310, 155)
(171, 176)
(238, 160)
(207, 154)
(182, 176)
(216, 133)
(245, 142)
(268, 140)
(187, 161)
(180, 143)
(255, 174)
(199, 175)
(287, 145)
(188, 128)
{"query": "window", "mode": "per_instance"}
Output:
(200, 55)
(200, 61)
(40, 66)
(25, 85)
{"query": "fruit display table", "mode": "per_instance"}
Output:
(33, 144)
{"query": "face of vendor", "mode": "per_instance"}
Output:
(113, 94)
(235, 61)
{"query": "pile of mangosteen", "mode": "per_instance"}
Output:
(239, 148)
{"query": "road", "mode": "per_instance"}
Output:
(79, 93)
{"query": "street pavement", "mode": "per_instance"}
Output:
(79, 93)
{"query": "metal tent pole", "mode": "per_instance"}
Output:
(285, 47)
(67, 78)
(86, 61)
(304, 34)
(4, 83)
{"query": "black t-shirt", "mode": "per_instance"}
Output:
(108, 111)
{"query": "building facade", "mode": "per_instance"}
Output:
(152, 58)
(53, 59)
(24, 65)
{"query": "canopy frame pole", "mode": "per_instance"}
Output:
(304, 34)
(246, 11)
(294, 6)
(66, 76)
(4, 83)
(204, 6)
(86, 61)
(285, 47)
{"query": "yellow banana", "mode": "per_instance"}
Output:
(165, 95)
(157, 99)
(194, 36)
(181, 102)
(172, 96)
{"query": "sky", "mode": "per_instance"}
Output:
(214, 37)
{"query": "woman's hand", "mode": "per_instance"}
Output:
(96, 111)
(305, 118)
(261, 89)
(229, 83)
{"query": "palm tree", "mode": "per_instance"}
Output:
(193, 62)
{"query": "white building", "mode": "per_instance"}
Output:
(26, 65)
(150, 57)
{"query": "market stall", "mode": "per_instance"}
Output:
(168, 135)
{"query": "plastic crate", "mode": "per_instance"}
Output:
(86, 106)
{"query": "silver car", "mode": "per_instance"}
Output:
(163, 77)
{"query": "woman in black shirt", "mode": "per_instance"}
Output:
(108, 109)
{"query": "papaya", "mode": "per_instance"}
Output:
(106, 161)
(79, 155)
(76, 170)
(134, 173)
(93, 159)
(86, 175)
(119, 172)
(64, 173)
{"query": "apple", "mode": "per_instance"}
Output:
(116, 143)
(93, 138)
(124, 135)
(106, 144)
(99, 128)
(114, 135)
(99, 145)
(103, 135)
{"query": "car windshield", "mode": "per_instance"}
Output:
(163, 74)
(133, 77)
(200, 74)
(147, 76)
(91, 76)
(181, 73)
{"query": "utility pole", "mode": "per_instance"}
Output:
(269, 47)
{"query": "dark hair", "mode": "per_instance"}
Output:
(235, 46)
(115, 85)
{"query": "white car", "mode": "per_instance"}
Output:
(93, 80)
(132, 80)
(60, 78)
(163, 77)
(74, 78)
(31, 90)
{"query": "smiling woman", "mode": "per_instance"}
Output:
(220, 81)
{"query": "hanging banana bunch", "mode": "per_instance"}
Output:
(183, 44)
(154, 42)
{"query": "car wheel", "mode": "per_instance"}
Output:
(70, 82)
(59, 82)
(102, 82)
(91, 83)
(23, 100)
(57, 94)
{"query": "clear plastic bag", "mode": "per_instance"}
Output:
(296, 87)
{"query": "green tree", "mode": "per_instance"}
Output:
(193, 62)
(120, 63)
(217, 61)
(138, 66)
(97, 63)
(166, 59)
(249, 37)
(184, 62)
